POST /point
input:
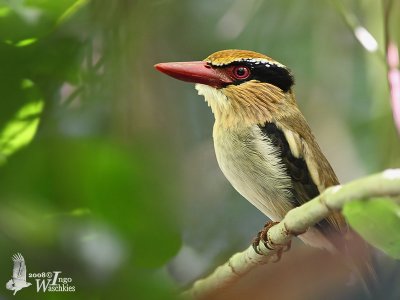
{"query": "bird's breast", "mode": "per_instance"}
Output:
(253, 166)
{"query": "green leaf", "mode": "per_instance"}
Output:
(26, 42)
(377, 221)
(20, 130)
(72, 10)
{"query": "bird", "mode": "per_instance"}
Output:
(263, 143)
(18, 280)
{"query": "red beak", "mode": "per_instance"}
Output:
(195, 71)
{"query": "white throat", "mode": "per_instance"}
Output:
(217, 100)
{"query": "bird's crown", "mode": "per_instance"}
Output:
(226, 57)
(252, 66)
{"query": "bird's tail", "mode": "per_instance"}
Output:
(358, 256)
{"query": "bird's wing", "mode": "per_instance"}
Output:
(302, 142)
(19, 270)
(308, 168)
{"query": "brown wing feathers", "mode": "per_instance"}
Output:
(303, 187)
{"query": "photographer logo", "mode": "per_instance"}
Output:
(50, 281)
(18, 280)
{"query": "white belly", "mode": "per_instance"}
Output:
(252, 166)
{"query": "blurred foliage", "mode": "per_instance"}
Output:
(377, 221)
(80, 199)
(105, 167)
(20, 130)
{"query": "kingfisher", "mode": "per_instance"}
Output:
(263, 143)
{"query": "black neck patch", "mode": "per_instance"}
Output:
(267, 72)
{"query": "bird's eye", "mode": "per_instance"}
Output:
(241, 72)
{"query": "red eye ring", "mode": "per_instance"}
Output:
(241, 72)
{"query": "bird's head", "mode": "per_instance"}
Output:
(242, 87)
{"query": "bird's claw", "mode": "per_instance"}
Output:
(256, 242)
(263, 237)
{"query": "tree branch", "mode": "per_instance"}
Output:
(385, 184)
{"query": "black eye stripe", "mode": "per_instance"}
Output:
(271, 73)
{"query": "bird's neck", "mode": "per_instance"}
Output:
(247, 105)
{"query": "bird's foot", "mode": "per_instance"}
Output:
(262, 236)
